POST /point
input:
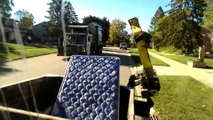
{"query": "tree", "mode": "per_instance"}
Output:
(181, 28)
(6, 7)
(158, 14)
(192, 9)
(70, 14)
(104, 22)
(208, 15)
(55, 18)
(177, 33)
(117, 31)
(90, 18)
(105, 29)
(25, 18)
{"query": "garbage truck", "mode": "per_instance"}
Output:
(82, 39)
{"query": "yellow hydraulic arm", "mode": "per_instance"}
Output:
(149, 80)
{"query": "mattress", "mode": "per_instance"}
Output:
(90, 89)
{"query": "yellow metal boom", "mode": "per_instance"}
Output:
(149, 79)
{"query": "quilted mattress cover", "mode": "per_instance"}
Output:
(90, 89)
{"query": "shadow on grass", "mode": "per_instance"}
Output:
(208, 67)
(4, 58)
(154, 61)
(4, 53)
(124, 59)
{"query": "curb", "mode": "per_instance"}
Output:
(132, 67)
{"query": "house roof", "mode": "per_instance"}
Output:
(42, 23)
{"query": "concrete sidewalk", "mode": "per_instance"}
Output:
(204, 76)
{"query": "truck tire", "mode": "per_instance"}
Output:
(100, 50)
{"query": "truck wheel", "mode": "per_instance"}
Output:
(97, 51)
(100, 51)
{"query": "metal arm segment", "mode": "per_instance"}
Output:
(149, 79)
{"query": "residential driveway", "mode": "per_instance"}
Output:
(19, 70)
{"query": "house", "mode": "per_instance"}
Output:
(8, 29)
(40, 31)
(8, 25)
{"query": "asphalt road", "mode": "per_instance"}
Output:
(19, 70)
(125, 62)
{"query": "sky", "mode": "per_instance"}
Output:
(144, 10)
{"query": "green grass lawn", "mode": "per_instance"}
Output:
(183, 59)
(19, 51)
(136, 58)
(183, 98)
